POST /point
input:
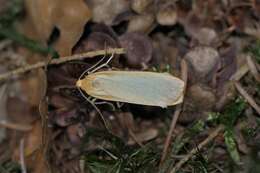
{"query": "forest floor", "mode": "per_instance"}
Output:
(48, 124)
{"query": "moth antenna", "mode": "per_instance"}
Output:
(87, 70)
(103, 65)
(84, 96)
(97, 109)
(95, 65)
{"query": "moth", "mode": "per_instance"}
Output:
(137, 87)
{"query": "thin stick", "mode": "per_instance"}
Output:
(108, 153)
(253, 68)
(196, 149)
(184, 71)
(242, 71)
(133, 136)
(60, 61)
(248, 98)
(170, 132)
(98, 110)
(22, 161)
(15, 126)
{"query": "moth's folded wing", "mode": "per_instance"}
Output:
(146, 88)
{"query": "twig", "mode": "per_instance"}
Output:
(184, 72)
(22, 161)
(14, 126)
(60, 61)
(248, 98)
(108, 152)
(170, 132)
(253, 68)
(196, 149)
(133, 136)
(240, 73)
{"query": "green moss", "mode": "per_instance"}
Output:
(119, 157)
(228, 118)
(10, 167)
(254, 50)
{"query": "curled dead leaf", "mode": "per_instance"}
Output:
(64, 117)
(105, 11)
(141, 23)
(167, 14)
(68, 16)
(139, 49)
(139, 6)
(205, 36)
(144, 136)
(203, 60)
(97, 41)
(202, 96)
(75, 133)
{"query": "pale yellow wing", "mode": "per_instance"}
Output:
(146, 88)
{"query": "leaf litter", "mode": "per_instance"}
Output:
(218, 125)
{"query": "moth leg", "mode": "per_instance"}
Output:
(107, 103)
(144, 66)
(119, 105)
(92, 102)
(92, 99)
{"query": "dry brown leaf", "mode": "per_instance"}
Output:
(144, 136)
(167, 14)
(141, 23)
(17, 108)
(34, 151)
(33, 87)
(105, 11)
(205, 36)
(139, 48)
(68, 16)
(202, 96)
(33, 139)
(166, 52)
(40, 164)
(203, 61)
(139, 6)
(37, 23)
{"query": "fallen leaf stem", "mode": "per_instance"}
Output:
(196, 149)
(184, 76)
(247, 97)
(61, 60)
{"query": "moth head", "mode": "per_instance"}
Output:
(79, 83)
